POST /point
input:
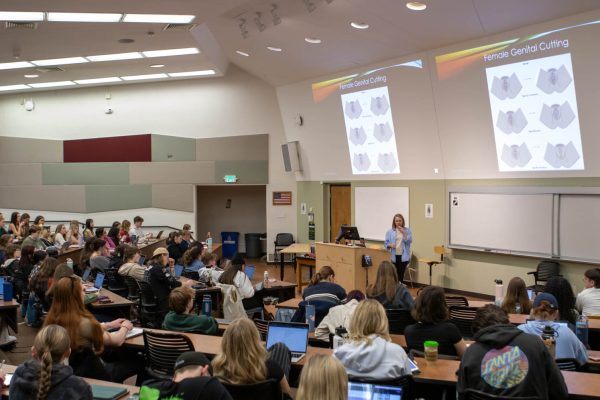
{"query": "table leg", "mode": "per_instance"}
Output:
(430, 266)
(281, 266)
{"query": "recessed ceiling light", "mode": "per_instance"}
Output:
(157, 65)
(275, 49)
(359, 25)
(15, 65)
(312, 40)
(98, 80)
(192, 73)
(13, 87)
(416, 5)
(59, 61)
(126, 41)
(83, 17)
(171, 52)
(143, 77)
(159, 18)
(21, 16)
(31, 76)
(51, 84)
(114, 57)
(242, 53)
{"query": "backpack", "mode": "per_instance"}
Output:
(232, 302)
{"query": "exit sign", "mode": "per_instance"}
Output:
(230, 178)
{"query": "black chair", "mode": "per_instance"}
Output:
(463, 318)
(115, 282)
(398, 320)
(263, 327)
(282, 240)
(133, 289)
(544, 271)
(472, 394)
(405, 382)
(460, 301)
(567, 364)
(266, 390)
(161, 351)
(148, 306)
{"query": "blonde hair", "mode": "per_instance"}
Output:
(323, 378)
(243, 359)
(369, 318)
(50, 344)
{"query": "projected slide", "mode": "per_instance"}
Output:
(370, 131)
(534, 114)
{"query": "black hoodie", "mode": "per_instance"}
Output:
(63, 384)
(508, 362)
(198, 388)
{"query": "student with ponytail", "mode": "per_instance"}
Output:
(45, 376)
(323, 282)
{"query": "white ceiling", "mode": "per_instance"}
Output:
(394, 31)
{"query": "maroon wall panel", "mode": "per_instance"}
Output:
(110, 149)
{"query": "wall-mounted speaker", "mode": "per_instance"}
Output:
(291, 156)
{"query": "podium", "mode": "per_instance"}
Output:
(346, 262)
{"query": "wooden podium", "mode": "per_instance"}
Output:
(346, 261)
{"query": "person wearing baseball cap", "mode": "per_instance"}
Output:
(544, 313)
(161, 280)
(192, 380)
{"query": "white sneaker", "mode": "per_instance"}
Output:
(10, 340)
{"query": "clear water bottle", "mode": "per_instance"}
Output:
(209, 242)
(518, 308)
(207, 305)
(581, 329)
(499, 292)
(266, 279)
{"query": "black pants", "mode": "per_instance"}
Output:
(400, 267)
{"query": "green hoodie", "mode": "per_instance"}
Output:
(190, 322)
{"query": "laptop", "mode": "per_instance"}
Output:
(159, 235)
(293, 335)
(97, 283)
(142, 260)
(177, 270)
(372, 391)
(249, 270)
(86, 274)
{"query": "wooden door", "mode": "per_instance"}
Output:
(339, 209)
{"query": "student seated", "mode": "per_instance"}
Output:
(34, 239)
(60, 235)
(88, 231)
(388, 290)
(124, 232)
(588, 301)
(545, 313)
(244, 359)
(131, 267)
(431, 313)
(13, 255)
(74, 237)
(516, 293)
(323, 378)
(561, 289)
(369, 352)
(191, 381)
(506, 362)
(175, 247)
(4, 243)
(209, 273)
(160, 278)
(234, 275)
(182, 318)
(339, 316)
(323, 284)
(46, 376)
(192, 259)
(100, 233)
(39, 283)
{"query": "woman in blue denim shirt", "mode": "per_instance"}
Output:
(398, 241)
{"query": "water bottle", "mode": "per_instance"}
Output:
(518, 308)
(265, 279)
(207, 305)
(581, 329)
(549, 339)
(499, 292)
(209, 242)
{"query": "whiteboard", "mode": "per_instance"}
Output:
(519, 223)
(578, 228)
(375, 207)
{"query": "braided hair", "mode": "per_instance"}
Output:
(50, 345)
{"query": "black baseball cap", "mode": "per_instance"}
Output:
(191, 358)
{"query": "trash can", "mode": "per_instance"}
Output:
(253, 245)
(230, 243)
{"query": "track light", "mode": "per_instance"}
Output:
(243, 28)
(259, 24)
(275, 15)
(310, 6)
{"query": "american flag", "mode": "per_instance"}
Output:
(282, 198)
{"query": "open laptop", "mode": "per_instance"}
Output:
(177, 271)
(142, 260)
(372, 391)
(86, 274)
(159, 235)
(293, 335)
(97, 283)
(249, 271)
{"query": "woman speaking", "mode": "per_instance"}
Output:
(397, 241)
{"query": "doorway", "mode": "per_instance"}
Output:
(340, 202)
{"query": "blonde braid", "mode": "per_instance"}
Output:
(44, 375)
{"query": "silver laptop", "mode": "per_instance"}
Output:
(293, 335)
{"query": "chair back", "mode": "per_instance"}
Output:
(398, 320)
(472, 394)
(405, 382)
(133, 289)
(148, 306)
(441, 250)
(266, 390)
(460, 301)
(567, 364)
(284, 239)
(161, 351)
(263, 328)
(463, 318)
(546, 270)
(115, 282)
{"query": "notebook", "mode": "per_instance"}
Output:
(108, 392)
(97, 283)
(134, 332)
(372, 391)
(249, 270)
(177, 270)
(86, 274)
(293, 335)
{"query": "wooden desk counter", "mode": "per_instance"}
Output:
(74, 254)
(9, 312)
(294, 248)
(117, 301)
(291, 303)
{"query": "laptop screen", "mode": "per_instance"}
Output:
(99, 280)
(370, 391)
(177, 270)
(249, 270)
(293, 335)
(86, 274)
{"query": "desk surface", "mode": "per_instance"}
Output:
(117, 301)
(9, 304)
(296, 248)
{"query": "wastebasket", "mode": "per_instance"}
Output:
(253, 245)
(230, 243)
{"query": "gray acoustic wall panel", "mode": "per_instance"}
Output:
(173, 148)
(23, 150)
(20, 174)
(44, 198)
(173, 197)
(248, 147)
(85, 174)
(172, 172)
(117, 197)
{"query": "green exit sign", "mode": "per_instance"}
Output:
(230, 178)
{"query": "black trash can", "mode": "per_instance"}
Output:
(253, 245)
